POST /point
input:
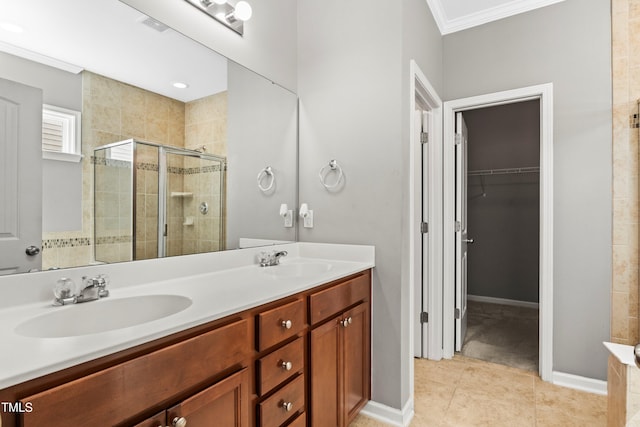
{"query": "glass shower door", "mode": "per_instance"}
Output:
(193, 219)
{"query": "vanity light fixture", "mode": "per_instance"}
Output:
(231, 16)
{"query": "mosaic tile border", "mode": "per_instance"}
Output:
(109, 240)
(66, 243)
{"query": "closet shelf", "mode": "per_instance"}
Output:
(506, 171)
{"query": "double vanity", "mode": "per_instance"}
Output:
(210, 339)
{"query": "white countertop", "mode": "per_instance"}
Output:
(226, 289)
(622, 352)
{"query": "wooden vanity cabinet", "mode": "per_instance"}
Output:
(300, 361)
(120, 393)
(340, 357)
(224, 404)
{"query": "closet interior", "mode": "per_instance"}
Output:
(503, 203)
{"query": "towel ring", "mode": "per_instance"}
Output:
(324, 172)
(265, 173)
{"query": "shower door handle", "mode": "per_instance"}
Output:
(468, 241)
(164, 233)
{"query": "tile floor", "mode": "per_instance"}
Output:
(465, 392)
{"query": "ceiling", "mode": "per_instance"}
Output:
(108, 37)
(457, 15)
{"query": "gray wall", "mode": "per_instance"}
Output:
(261, 131)
(568, 44)
(504, 210)
(353, 87)
(62, 181)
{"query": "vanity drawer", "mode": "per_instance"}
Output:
(301, 421)
(280, 323)
(335, 299)
(115, 394)
(271, 371)
(273, 412)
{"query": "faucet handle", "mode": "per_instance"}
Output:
(64, 291)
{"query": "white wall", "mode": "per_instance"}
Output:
(268, 46)
(261, 131)
(568, 44)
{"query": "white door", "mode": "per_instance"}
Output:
(20, 177)
(461, 239)
(421, 331)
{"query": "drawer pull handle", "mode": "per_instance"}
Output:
(179, 422)
(287, 406)
(287, 324)
(287, 366)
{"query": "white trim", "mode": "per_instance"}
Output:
(420, 87)
(543, 92)
(40, 58)
(505, 10)
(577, 382)
(503, 301)
(389, 415)
(62, 157)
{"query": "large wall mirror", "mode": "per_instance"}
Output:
(182, 150)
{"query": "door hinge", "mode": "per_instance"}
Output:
(634, 121)
(424, 137)
(458, 140)
(424, 317)
(457, 313)
(458, 226)
(424, 227)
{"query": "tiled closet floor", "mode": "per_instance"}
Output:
(465, 392)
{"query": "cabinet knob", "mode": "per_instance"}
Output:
(287, 324)
(287, 366)
(346, 322)
(286, 406)
(179, 422)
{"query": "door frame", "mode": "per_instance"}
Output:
(423, 95)
(544, 93)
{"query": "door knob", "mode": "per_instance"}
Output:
(32, 250)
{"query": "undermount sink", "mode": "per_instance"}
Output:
(298, 269)
(101, 316)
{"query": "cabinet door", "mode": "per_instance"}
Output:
(224, 404)
(356, 360)
(325, 375)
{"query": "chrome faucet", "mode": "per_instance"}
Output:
(92, 289)
(270, 259)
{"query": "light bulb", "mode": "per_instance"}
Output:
(243, 11)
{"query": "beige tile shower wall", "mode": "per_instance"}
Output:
(626, 92)
(115, 111)
(206, 125)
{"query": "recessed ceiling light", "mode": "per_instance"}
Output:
(180, 85)
(11, 27)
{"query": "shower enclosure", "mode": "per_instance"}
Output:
(153, 200)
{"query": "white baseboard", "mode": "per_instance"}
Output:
(389, 415)
(503, 301)
(579, 383)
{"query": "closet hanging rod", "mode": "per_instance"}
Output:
(533, 169)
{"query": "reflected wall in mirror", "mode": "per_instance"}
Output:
(119, 72)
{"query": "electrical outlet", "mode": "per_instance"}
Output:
(308, 221)
(288, 219)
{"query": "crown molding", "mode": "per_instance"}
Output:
(510, 8)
